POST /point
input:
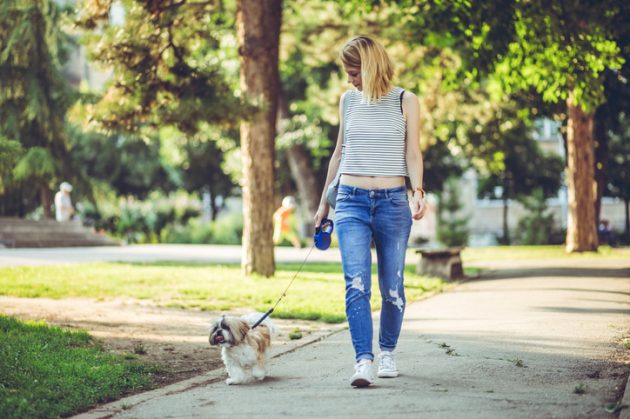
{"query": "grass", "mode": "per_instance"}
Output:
(47, 372)
(474, 254)
(316, 294)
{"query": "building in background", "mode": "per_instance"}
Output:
(486, 215)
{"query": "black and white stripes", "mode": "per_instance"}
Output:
(374, 143)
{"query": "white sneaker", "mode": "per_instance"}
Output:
(362, 374)
(387, 365)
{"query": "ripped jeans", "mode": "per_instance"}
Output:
(382, 215)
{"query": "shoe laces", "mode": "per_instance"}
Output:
(363, 367)
(386, 361)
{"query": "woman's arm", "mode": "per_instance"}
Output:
(411, 109)
(333, 167)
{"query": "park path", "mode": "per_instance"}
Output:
(516, 343)
(201, 253)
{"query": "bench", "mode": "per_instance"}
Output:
(445, 263)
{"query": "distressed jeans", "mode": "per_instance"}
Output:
(382, 216)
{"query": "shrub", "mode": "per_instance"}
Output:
(538, 226)
(227, 229)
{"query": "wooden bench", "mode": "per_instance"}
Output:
(445, 263)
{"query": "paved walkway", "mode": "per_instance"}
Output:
(150, 253)
(518, 343)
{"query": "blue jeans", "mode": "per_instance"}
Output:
(384, 216)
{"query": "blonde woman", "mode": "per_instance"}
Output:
(380, 151)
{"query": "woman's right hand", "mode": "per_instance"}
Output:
(322, 212)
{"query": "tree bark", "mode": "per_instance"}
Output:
(302, 173)
(300, 166)
(581, 228)
(506, 228)
(46, 201)
(601, 158)
(258, 31)
(627, 232)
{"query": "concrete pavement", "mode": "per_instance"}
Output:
(151, 253)
(521, 342)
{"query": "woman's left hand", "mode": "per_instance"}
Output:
(418, 206)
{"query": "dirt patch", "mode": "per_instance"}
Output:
(175, 339)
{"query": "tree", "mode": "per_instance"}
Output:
(618, 171)
(34, 97)
(561, 48)
(168, 67)
(452, 224)
(508, 158)
(258, 29)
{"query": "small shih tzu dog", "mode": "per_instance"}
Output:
(243, 349)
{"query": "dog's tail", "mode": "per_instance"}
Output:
(252, 318)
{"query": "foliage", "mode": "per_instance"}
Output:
(34, 97)
(50, 372)
(538, 226)
(131, 165)
(142, 221)
(227, 229)
(37, 164)
(315, 295)
(555, 47)
(452, 225)
(618, 170)
(515, 162)
(171, 63)
(10, 151)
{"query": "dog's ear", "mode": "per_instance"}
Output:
(243, 328)
(213, 326)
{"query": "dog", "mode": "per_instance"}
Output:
(244, 350)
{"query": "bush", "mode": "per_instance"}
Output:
(452, 226)
(143, 221)
(225, 230)
(537, 227)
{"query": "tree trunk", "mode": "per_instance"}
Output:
(258, 31)
(506, 228)
(581, 228)
(300, 166)
(601, 158)
(627, 202)
(302, 173)
(46, 201)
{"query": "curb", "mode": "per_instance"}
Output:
(625, 401)
(110, 409)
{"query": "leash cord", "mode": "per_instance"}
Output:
(285, 290)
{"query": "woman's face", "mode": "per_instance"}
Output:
(354, 76)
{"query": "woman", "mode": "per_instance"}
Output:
(380, 151)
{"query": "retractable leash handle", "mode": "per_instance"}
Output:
(322, 237)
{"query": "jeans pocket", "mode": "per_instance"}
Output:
(399, 200)
(343, 196)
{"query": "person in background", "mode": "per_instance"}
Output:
(285, 223)
(63, 204)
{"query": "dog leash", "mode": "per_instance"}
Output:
(285, 290)
(321, 240)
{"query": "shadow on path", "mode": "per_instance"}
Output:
(569, 272)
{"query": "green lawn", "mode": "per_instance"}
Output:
(316, 294)
(474, 254)
(47, 372)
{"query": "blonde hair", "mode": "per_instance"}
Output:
(376, 67)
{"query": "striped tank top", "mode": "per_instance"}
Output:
(374, 141)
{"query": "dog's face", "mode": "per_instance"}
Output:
(228, 331)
